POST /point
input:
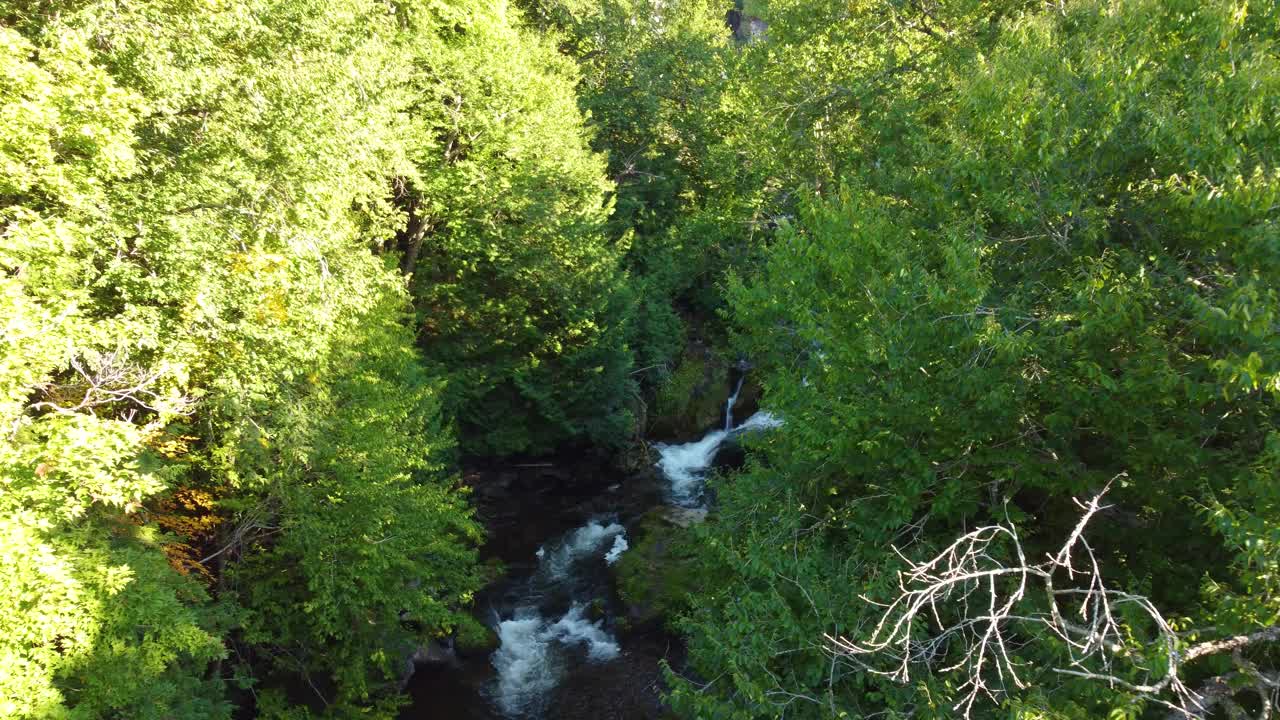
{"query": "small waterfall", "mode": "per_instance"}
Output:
(534, 643)
(733, 400)
(685, 466)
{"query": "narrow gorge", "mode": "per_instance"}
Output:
(565, 642)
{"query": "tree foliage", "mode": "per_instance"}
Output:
(652, 80)
(225, 464)
(518, 286)
(1029, 250)
(261, 259)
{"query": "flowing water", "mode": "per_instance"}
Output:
(542, 636)
(563, 652)
(733, 400)
(686, 466)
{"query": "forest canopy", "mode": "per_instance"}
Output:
(1008, 271)
(1024, 253)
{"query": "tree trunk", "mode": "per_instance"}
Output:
(411, 239)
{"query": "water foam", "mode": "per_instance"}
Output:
(530, 659)
(620, 546)
(525, 665)
(557, 563)
(685, 466)
(575, 629)
(762, 420)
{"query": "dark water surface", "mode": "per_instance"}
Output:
(574, 656)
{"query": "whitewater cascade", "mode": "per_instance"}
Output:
(535, 643)
(728, 404)
(685, 466)
(550, 630)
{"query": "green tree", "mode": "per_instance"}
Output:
(1032, 255)
(653, 75)
(517, 285)
(207, 367)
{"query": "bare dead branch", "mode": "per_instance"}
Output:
(965, 609)
(111, 379)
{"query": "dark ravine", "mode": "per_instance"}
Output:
(568, 649)
(566, 674)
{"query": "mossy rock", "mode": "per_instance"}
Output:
(656, 576)
(748, 399)
(475, 638)
(692, 400)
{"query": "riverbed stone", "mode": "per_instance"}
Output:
(473, 639)
(684, 517)
(433, 652)
(693, 399)
(655, 577)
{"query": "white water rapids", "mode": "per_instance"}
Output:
(541, 640)
(686, 465)
(530, 660)
(533, 651)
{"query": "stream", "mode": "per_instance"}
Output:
(566, 650)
